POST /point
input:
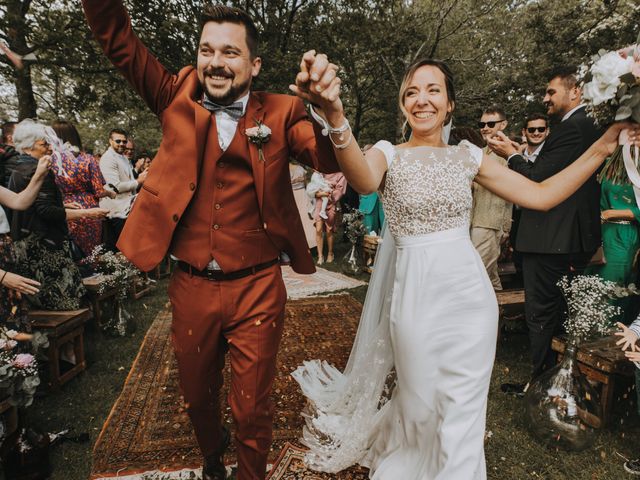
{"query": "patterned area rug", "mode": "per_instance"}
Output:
(290, 466)
(323, 281)
(148, 434)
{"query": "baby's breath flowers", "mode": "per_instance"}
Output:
(590, 311)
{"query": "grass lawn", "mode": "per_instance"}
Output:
(84, 403)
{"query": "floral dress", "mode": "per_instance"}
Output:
(13, 307)
(80, 180)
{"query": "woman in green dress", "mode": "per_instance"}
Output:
(620, 217)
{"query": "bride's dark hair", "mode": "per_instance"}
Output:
(448, 81)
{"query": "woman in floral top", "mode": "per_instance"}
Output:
(79, 178)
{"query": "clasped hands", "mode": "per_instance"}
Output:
(318, 83)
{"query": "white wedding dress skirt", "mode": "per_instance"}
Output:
(443, 326)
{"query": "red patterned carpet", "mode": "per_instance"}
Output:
(149, 431)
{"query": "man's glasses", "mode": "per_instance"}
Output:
(489, 124)
(536, 129)
(128, 149)
(42, 143)
(118, 141)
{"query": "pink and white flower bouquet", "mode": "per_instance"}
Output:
(18, 368)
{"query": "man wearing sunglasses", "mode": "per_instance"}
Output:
(118, 175)
(535, 132)
(491, 215)
(563, 240)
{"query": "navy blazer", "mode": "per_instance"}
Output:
(573, 226)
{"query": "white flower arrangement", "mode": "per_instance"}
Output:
(259, 135)
(118, 272)
(588, 300)
(611, 85)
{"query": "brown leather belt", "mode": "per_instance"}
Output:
(219, 275)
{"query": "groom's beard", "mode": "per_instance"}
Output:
(228, 96)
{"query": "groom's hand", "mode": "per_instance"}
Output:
(318, 83)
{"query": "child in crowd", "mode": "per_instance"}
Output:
(315, 185)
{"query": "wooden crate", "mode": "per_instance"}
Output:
(62, 328)
(602, 362)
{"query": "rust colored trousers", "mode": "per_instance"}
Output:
(244, 316)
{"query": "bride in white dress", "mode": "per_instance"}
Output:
(430, 315)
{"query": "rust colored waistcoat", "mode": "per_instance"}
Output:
(223, 219)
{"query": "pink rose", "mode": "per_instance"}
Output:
(23, 360)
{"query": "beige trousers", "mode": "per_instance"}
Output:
(487, 243)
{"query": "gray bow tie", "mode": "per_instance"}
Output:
(235, 110)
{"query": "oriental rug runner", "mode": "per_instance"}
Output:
(148, 434)
(321, 282)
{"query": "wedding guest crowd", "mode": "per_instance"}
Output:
(44, 241)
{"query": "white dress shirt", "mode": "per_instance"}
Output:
(531, 157)
(572, 111)
(227, 125)
(118, 171)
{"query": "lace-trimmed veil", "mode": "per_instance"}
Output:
(344, 408)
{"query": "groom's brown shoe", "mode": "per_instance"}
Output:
(213, 468)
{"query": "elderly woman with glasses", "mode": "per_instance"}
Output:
(12, 285)
(40, 233)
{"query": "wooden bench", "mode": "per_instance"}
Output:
(163, 269)
(602, 362)
(510, 297)
(93, 284)
(9, 417)
(141, 286)
(62, 328)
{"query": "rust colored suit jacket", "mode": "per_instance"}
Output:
(173, 179)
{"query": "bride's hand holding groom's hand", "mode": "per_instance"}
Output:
(318, 83)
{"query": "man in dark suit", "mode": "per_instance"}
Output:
(219, 199)
(561, 241)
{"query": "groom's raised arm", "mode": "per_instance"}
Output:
(111, 26)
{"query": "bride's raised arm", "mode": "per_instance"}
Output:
(547, 194)
(319, 84)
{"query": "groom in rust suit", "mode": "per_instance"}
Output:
(223, 206)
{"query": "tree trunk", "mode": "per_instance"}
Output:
(27, 107)
(17, 28)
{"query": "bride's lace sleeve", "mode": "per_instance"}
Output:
(476, 152)
(388, 150)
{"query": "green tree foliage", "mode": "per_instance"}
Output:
(499, 50)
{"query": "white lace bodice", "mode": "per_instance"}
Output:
(428, 189)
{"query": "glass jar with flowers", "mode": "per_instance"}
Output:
(562, 408)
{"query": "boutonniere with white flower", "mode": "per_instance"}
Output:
(259, 136)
